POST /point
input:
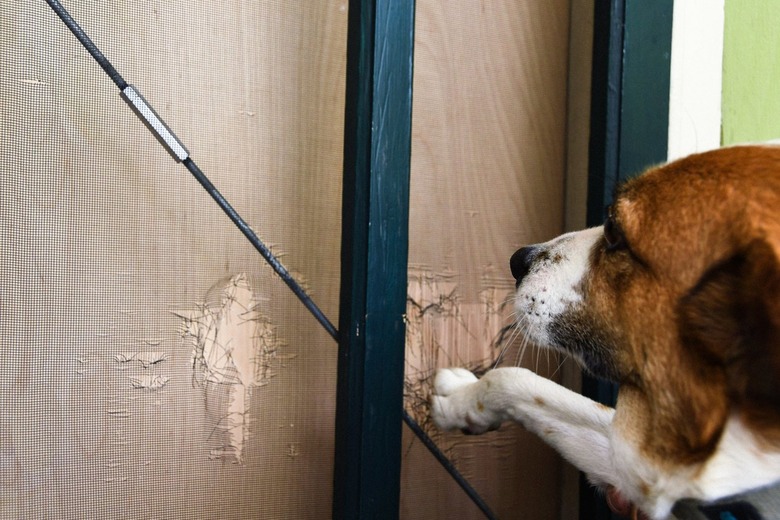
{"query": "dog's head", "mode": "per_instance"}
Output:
(676, 297)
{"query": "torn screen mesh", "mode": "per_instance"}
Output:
(152, 365)
(488, 159)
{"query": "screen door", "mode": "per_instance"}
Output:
(488, 163)
(152, 366)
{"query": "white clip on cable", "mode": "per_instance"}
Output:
(153, 121)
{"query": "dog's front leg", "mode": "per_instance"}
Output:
(572, 424)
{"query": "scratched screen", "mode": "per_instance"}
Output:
(488, 162)
(151, 365)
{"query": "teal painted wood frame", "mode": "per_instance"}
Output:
(630, 95)
(377, 151)
(647, 51)
(629, 127)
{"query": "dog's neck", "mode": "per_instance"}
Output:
(741, 461)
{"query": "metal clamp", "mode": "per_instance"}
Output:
(154, 123)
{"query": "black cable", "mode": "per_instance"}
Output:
(263, 250)
(87, 43)
(448, 466)
(277, 266)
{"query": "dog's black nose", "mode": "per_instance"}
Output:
(521, 261)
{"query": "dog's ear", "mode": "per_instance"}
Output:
(730, 321)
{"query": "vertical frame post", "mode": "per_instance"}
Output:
(632, 47)
(377, 150)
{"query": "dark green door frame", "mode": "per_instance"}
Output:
(377, 154)
(632, 45)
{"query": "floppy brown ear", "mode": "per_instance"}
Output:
(731, 321)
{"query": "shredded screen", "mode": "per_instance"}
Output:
(151, 365)
(488, 159)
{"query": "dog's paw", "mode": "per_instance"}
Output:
(449, 380)
(458, 403)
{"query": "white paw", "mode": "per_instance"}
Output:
(458, 402)
(448, 380)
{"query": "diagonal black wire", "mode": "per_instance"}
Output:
(277, 266)
(88, 44)
(261, 247)
(266, 253)
(448, 466)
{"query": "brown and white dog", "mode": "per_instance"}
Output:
(676, 298)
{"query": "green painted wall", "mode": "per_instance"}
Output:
(751, 71)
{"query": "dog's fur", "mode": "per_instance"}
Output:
(677, 299)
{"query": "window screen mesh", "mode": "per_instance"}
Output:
(151, 365)
(488, 159)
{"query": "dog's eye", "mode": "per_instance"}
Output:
(613, 234)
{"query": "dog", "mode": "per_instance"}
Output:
(676, 298)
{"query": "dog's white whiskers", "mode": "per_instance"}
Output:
(523, 348)
(515, 331)
(562, 360)
(547, 352)
(535, 356)
(521, 353)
